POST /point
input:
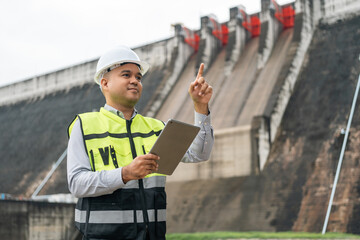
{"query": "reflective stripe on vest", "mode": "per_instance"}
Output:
(150, 182)
(119, 217)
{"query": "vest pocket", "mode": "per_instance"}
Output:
(124, 156)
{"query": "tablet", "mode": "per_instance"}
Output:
(172, 144)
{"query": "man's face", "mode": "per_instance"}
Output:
(124, 85)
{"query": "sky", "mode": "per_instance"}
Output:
(41, 36)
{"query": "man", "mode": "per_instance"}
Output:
(109, 167)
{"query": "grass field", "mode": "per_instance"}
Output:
(258, 235)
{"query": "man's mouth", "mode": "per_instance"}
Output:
(133, 89)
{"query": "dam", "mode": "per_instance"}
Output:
(283, 83)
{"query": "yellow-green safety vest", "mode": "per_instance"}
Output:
(107, 142)
(139, 208)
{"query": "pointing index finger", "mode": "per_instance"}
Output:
(201, 70)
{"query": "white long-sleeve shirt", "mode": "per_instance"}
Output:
(83, 182)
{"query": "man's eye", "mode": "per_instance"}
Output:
(126, 75)
(139, 78)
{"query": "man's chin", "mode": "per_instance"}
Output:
(132, 102)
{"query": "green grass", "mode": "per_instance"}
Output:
(261, 235)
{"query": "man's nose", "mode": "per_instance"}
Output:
(134, 81)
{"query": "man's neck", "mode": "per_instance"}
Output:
(127, 111)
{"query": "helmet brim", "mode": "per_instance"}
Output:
(144, 67)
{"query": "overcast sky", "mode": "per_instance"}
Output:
(40, 36)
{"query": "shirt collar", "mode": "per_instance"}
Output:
(117, 112)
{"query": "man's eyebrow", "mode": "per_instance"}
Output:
(129, 71)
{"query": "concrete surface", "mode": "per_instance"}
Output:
(256, 102)
(36, 220)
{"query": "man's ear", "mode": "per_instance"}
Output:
(104, 83)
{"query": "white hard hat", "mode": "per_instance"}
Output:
(115, 58)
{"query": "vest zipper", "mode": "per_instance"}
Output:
(141, 183)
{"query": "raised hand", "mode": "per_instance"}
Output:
(200, 92)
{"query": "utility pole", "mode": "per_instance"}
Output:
(341, 156)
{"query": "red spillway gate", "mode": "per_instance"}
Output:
(250, 22)
(191, 38)
(220, 31)
(285, 14)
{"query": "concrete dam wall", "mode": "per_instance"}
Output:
(292, 191)
(268, 163)
(36, 220)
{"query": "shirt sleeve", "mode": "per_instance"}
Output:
(201, 147)
(82, 181)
